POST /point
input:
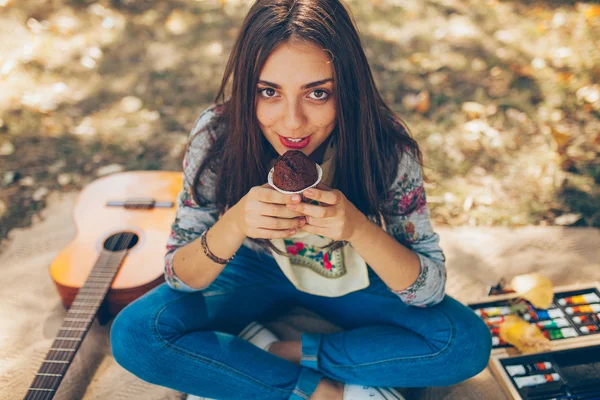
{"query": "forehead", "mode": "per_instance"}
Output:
(293, 64)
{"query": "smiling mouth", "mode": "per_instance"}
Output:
(294, 143)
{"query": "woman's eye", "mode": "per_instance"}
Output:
(268, 93)
(320, 94)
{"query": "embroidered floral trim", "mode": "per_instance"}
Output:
(328, 264)
(407, 196)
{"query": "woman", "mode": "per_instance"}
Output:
(362, 253)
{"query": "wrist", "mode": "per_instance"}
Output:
(360, 231)
(232, 220)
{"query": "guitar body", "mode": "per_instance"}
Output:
(142, 267)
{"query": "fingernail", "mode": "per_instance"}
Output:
(292, 206)
(296, 198)
(293, 231)
(308, 192)
(302, 221)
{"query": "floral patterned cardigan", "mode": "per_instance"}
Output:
(410, 225)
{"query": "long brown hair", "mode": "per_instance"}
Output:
(369, 138)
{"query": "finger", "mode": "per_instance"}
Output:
(273, 234)
(313, 210)
(330, 197)
(322, 222)
(278, 210)
(267, 194)
(280, 223)
(317, 230)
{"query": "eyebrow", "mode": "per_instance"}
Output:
(307, 86)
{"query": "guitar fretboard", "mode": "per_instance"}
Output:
(75, 326)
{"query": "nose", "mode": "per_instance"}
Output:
(294, 117)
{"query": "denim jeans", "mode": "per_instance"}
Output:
(187, 341)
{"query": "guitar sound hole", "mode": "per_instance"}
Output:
(121, 241)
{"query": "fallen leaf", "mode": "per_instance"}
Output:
(561, 138)
(527, 338)
(534, 288)
(423, 102)
(564, 77)
(592, 12)
(523, 70)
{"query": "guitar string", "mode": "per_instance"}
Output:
(55, 380)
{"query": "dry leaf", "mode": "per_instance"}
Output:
(527, 338)
(564, 77)
(534, 288)
(592, 12)
(423, 102)
(561, 138)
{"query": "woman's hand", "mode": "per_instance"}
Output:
(335, 218)
(262, 214)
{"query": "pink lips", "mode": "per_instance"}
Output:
(290, 145)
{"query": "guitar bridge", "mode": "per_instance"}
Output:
(140, 204)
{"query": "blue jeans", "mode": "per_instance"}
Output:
(188, 342)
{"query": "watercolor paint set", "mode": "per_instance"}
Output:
(564, 374)
(571, 368)
(574, 313)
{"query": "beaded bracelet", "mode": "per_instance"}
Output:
(209, 253)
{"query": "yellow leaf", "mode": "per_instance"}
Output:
(423, 102)
(527, 338)
(534, 288)
(561, 137)
(592, 12)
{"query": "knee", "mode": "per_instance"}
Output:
(131, 338)
(471, 351)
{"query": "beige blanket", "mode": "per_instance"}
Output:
(31, 312)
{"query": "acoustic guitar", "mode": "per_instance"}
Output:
(123, 221)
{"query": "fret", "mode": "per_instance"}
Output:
(94, 292)
(98, 273)
(88, 298)
(61, 349)
(45, 374)
(78, 304)
(105, 282)
(61, 355)
(65, 344)
(53, 369)
(78, 320)
(42, 389)
(71, 311)
(73, 329)
(68, 338)
(56, 361)
(70, 333)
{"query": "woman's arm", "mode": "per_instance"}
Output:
(187, 268)
(414, 268)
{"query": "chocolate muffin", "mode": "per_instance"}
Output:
(294, 171)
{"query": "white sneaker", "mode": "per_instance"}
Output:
(256, 334)
(360, 392)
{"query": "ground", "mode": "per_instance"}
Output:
(502, 96)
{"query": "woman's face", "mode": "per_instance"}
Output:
(295, 103)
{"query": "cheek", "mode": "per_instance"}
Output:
(265, 114)
(326, 118)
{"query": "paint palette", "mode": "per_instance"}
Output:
(573, 314)
(565, 374)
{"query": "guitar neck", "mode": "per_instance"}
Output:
(75, 326)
